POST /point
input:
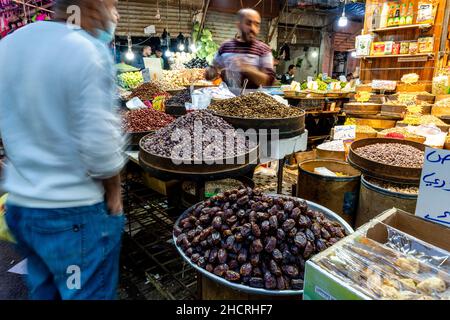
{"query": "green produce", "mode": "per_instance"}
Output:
(130, 80)
(123, 67)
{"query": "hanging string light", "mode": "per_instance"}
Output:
(343, 21)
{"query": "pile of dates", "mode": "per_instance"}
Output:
(255, 239)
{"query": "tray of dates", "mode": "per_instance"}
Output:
(254, 242)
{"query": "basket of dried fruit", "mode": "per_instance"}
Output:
(260, 252)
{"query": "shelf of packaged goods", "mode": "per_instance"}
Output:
(429, 54)
(409, 26)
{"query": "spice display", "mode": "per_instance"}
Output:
(255, 105)
(167, 85)
(196, 140)
(180, 98)
(394, 154)
(254, 239)
(147, 91)
(123, 94)
(183, 77)
(403, 132)
(337, 145)
(197, 63)
(417, 120)
(365, 129)
(383, 273)
(397, 188)
(130, 80)
(143, 120)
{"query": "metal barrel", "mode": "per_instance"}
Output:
(339, 194)
(374, 200)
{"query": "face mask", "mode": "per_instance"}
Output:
(108, 35)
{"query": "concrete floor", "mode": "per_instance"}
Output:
(12, 286)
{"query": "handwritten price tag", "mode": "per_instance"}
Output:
(344, 132)
(434, 193)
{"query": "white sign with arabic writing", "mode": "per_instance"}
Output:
(434, 193)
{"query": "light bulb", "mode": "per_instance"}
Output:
(314, 54)
(129, 55)
(181, 47)
(343, 21)
(193, 48)
(353, 54)
(168, 53)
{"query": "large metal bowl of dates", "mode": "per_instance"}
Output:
(254, 242)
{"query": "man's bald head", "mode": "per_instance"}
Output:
(249, 24)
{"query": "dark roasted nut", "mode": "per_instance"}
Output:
(195, 257)
(273, 210)
(257, 272)
(287, 257)
(309, 249)
(252, 217)
(201, 262)
(232, 276)
(290, 270)
(227, 233)
(246, 270)
(256, 282)
(295, 250)
(288, 225)
(271, 244)
(209, 267)
(300, 240)
(269, 281)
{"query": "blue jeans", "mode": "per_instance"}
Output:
(73, 253)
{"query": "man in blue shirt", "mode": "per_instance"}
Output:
(64, 151)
